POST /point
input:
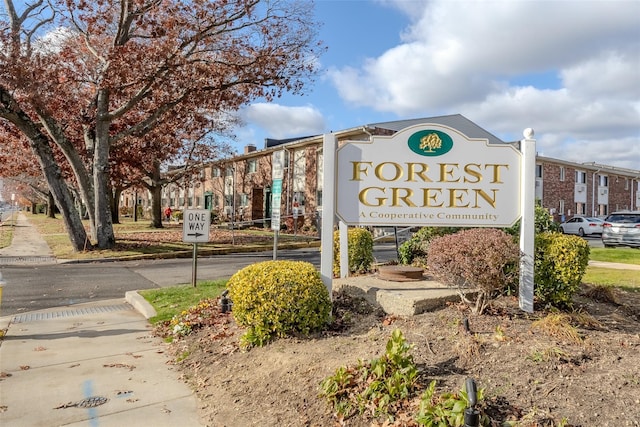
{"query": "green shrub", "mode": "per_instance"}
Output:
(560, 263)
(414, 250)
(360, 243)
(543, 223)
(373, 387)
(278, 298)
(480, 259)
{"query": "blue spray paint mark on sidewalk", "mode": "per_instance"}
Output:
(92, 412)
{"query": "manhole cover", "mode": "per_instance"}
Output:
(89, 402)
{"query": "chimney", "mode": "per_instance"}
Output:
(250, 148)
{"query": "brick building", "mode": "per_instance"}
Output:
(589, 189)
(239, 188)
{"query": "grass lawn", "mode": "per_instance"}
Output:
(625, 279)
(173, 300)
(136, 238)
(622, 255)
(6, 234)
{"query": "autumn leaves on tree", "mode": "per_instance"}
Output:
(102, 93)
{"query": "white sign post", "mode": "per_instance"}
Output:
(527, 223)
(195, 229)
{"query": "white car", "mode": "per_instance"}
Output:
(582, 226)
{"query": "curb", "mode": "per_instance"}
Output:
(140, 304)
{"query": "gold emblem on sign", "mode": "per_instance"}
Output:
(430, 143)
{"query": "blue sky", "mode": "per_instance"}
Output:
(568, 69)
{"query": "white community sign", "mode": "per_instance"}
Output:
(429, 175)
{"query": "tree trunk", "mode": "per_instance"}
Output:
(83, 179)
(51, 170)
(115, 206)
(104, 226)
(154, 185)
(51, 206)
(156, 206)
(61, 195)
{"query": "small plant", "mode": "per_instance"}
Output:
(480, 260)
(360, 247)
(373, 388)
(277, 299)
(500, 334)
(446, 409)
(539, 356)
(560, 263)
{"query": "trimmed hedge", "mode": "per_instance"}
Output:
(277, 299)
(560, 263)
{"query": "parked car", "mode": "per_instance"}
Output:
(621, 229)
(582, 226)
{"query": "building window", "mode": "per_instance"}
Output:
(244, 199)
(215, 172)
(626, 183)
(228, 171)
(538, 171)
(581, 177)
(580, 209)
(561, 207)
(298, 201)
(602, 210)
(561, 173)
(252, 166)
(299, 166)
(603, 180)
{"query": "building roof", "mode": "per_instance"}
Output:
(455, 121)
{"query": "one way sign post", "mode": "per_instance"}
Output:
(195, 229)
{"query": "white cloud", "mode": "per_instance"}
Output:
(569, 69)
(283, 122)
(52, 41)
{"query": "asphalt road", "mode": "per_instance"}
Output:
(41, 286)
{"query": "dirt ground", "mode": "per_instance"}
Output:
(532, 374)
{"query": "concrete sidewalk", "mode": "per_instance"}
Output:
(95, 364)
(27, 246)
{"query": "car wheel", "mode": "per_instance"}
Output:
(581, 232)
(562, 230)
(608, 246)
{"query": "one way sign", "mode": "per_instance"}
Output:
(195, 225)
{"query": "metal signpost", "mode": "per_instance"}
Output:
(195, 229)
(277, 175)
